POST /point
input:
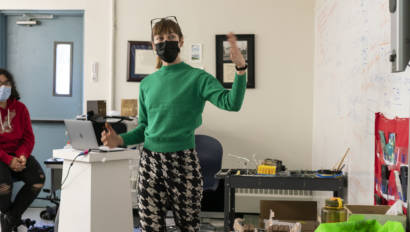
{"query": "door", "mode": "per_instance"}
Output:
(32, 55)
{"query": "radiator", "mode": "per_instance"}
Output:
(247, 200)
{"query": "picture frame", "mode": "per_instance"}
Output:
(141, 60)
(225, 68)
(196, 53)
(129, 107)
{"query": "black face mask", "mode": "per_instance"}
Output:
(168, 50)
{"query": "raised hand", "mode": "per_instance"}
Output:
(236, 55)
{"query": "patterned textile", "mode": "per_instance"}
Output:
(169, 181)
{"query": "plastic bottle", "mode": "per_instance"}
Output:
(68, 145)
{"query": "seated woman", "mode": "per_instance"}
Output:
(16, 161)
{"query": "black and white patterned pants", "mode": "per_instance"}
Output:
(169, 181)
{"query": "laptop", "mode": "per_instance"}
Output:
(82, 136)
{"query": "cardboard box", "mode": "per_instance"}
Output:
(377, 212)
(98, 107)
(129, 107)
(304, 212)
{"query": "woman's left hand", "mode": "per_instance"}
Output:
(236, 55)
(23, 160)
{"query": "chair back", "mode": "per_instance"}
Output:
(210, 158)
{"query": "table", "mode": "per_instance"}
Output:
(96, 196)
(296, 181)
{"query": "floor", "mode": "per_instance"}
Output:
(34, 214)
(217, 224)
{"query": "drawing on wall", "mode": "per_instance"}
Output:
(391, 161)
(353, 81)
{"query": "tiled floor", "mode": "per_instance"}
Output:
(34, 214)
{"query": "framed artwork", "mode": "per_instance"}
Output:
(141, 60)
(225, 69)
(196, 53)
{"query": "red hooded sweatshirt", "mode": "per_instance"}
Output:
(16, 134)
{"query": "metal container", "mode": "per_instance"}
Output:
(334, 211)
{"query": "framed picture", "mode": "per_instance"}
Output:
(141, 60)
(225, 69)
(196, 53)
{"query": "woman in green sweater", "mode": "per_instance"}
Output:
(171, 102)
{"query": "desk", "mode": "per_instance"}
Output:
(297, 182)
(96, 196)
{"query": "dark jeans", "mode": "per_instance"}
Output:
(33, 177)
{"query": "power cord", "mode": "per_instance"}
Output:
(84, 153)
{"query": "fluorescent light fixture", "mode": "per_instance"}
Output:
(27, 22)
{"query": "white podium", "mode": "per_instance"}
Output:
(96, 196)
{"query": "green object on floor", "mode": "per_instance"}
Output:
(358, 224)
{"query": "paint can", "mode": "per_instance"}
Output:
(334, 211)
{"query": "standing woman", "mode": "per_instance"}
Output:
(16, 161)
(171, 101)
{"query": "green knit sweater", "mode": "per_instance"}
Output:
(171, 102)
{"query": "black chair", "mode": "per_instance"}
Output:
(56, 169)
(210, 153)
(210, 158)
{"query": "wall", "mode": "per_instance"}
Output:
(352, 78)
(96, 36)
(2, 41)
(276, 118)
(352, 82)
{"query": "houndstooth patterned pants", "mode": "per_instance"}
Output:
(169, 181)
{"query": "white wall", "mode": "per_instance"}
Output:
(352, 82)
(276, 117)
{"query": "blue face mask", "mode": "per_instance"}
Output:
(5, 92)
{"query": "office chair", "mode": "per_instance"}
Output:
(210, 153)
(210, 158)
